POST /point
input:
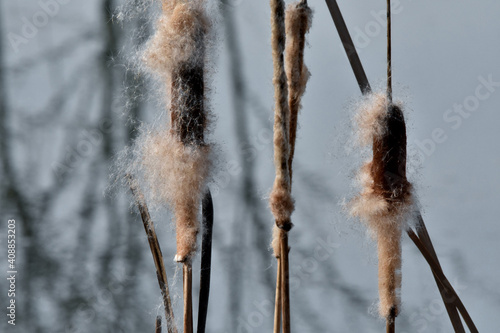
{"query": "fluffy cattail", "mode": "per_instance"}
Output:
(281, 201)
(176, 160)
(298, 17)
(385, 200)
(298, 20)
(287, 30)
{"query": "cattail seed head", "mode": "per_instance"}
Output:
(298, 19)
(175, 161)
(385, 200)
(281, 201)
(388, 168)
(178, 38)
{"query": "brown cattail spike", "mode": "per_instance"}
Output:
(187, 106)
(388, 167)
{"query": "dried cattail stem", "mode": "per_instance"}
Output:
(285, 281)
(297, 22)
(389, 53)
(187, 273)
(155, 248)
(275, 245)
(278, 300)
(289, 87)
(442, 280)
(206, 261)
(281, 201)
(391, 322)
(349, 47)
(446, 295)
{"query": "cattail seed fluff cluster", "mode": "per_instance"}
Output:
(386, 199)
(290, 77)
(281, 201)
(298, 19)
(174, 159)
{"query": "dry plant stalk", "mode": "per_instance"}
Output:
(187, 274)
(281, 201)
(391, 323)
(441, 279)
(154, 245)
(277, 301)
(447, 296)
(290, 78)
(206, 261)
(385, 200)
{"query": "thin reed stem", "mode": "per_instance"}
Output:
(187, 274)
(206, 261)
(389, 54)
(456, 322)
(443, 280)
(278, 301)
(285, 285)
(155, 248)
(349, 47)
(390, 326)
(391, 322)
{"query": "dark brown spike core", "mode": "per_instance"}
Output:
(187, 109)
(388, 168)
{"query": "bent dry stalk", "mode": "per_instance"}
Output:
(155, 248)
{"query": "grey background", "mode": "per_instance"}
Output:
(82, 255)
